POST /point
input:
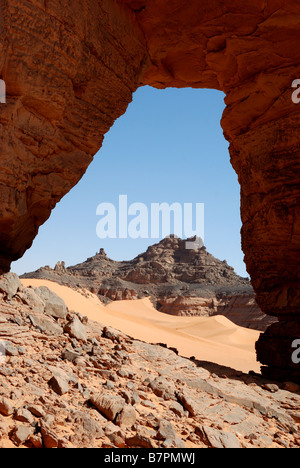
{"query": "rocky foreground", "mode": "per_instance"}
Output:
(66, 381)
(180, 281)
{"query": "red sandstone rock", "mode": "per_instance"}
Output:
(70, 71)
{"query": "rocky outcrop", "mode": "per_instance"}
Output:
(187, 305)
(244, 311)
(102, 389)
(179, 281)
(167, 262)
(70, 71)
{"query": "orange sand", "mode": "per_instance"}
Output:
(214, 339)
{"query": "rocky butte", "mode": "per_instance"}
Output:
(179, 281)
(70, 70)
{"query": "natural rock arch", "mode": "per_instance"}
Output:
(70, 69)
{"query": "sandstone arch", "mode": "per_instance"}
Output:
(70, 69)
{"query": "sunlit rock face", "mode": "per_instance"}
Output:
(70, 69)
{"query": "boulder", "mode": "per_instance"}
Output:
(21, 434)
(29, 297)
(108, 405)
(54, 305)
(162, 388)
(76, 329)
(10, 284)
(127, 417)
(5, 407)
(59, 385)
(166, 431)
(45, 325)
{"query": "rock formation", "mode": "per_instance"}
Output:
(70, 71)
(179, 281)
(91, 386)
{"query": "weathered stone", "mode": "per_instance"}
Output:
(8, 349)
(162, 388)
(80, 362)
(59, 385)
(29, 297)
(275, 350)
(173, 443)
(273, 388)
(50, 439)
(166, 431)
(111, 334)
(127, 417)
(23, 415)
(88, 425)
(178, 409)
(291, 387)
(9, 284)
(21, 434)
(118, 439)
(76, 329)
(36, 410)
(5, 407)
(218, 439)
(36, 441)
(45, 325)
(188, 403)
(66, 375)
(54, 305)
(141, 439)
(70, 355)
(108, 405)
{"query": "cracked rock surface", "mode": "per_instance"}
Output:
(112, 391)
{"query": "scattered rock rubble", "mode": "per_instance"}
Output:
(67, 382)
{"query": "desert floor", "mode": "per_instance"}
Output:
(213, 339)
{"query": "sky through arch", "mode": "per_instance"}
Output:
(168, 147)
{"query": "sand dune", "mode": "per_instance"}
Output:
(214, 339)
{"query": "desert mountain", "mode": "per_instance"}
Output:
(180, 281)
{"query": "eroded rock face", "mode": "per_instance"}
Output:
(179, 281)
(70, 70)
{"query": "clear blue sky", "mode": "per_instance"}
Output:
(168, 147)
